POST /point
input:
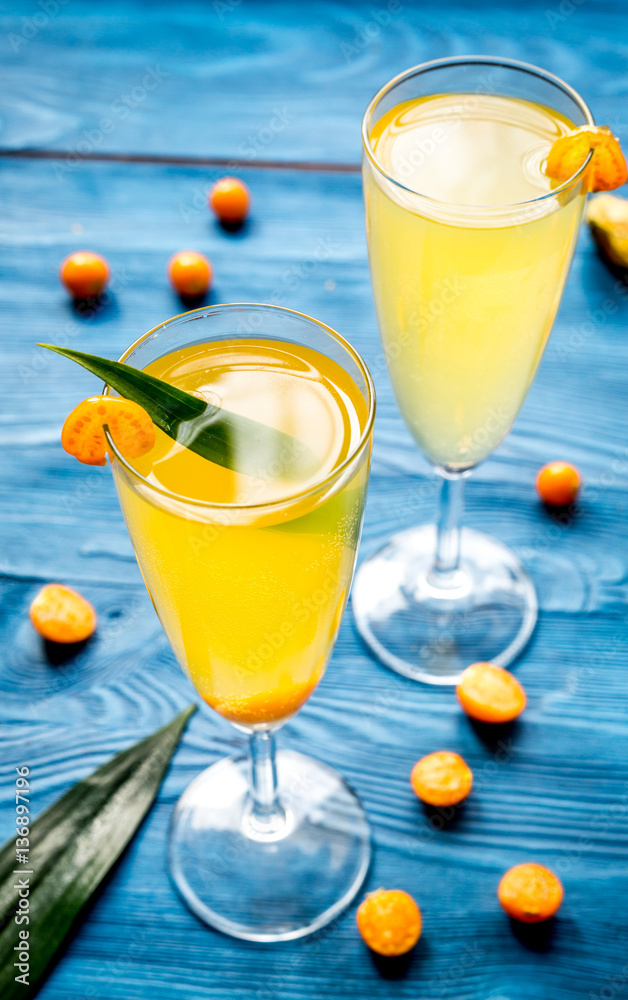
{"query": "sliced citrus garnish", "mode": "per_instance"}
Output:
(530, 892)
(389, 921)
(442, 778)
(61, 614)
(607, 169)
(130, 426)
(489, 693)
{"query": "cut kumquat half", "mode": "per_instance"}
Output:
(490, 694)
(61, 614)
(530, 892)
(129, 425)
(389, 922)
(607, 169)
(442, 778)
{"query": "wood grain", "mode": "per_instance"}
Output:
(556, 788)
(267, 79)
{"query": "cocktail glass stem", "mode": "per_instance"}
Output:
(444, 571)
(266, 816)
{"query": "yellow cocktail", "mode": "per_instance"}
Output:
(465, 306)
(251, 603)
(469, 246)
(249, 565)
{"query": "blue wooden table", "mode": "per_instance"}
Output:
(115, 120)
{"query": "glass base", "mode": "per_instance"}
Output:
(269, 886)
(431, 632)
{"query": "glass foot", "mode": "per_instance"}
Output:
(431, 633)
(272, 886)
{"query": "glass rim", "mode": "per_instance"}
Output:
(515, 64)
(291, 498)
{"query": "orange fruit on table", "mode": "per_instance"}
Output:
(607, 169)
(84, 274)
(61, 614)
(530, 892)
(490, 694)
(558, 483)
(442, 778)
(190, 272)
(130, 426)
(230, 199)
(389, 921)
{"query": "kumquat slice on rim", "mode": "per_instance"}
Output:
(130, 426)
(607, 169)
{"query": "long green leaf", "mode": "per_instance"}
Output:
(73, 846)
(223, 437)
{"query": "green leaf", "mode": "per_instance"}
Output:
(73, 845)
(226, 438)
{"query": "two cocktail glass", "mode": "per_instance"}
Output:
(271, 846)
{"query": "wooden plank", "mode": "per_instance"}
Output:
(556, 791)
(265, 80)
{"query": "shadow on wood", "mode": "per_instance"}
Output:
(59, 653)
(395, 968)
(444, 817)
(535, 937)
(96, 307)
(496, 737)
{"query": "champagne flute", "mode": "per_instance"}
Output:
(469, 246)
(249, 572)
